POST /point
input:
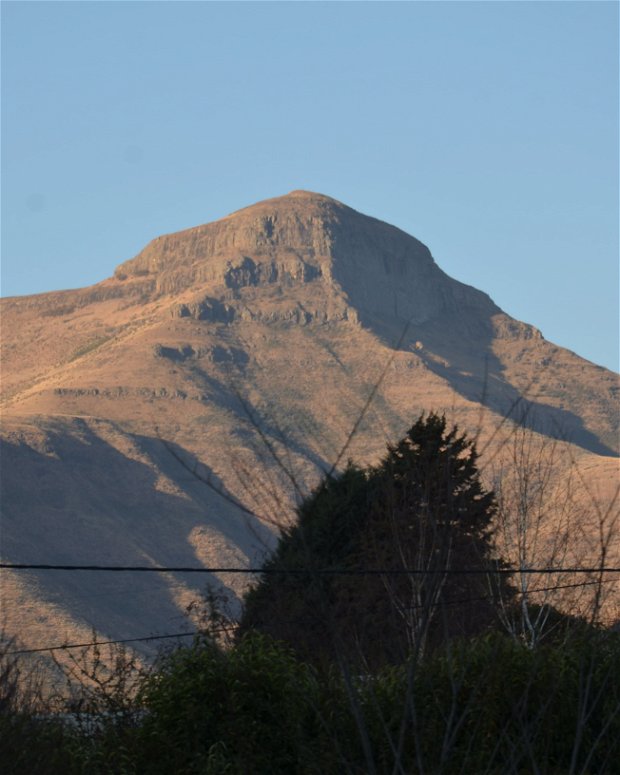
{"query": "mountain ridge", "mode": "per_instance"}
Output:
(328, 271)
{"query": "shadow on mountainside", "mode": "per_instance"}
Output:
(259, 420)
(81, 501)
(458, 348)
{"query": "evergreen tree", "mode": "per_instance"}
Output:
(377, 556)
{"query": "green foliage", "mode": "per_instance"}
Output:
(484, 705)
(501, 707)
(249, 708)
(487, 704)
(31, 745)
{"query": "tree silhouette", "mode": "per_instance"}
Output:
(386, 561)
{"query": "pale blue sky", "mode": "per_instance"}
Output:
(489, 130)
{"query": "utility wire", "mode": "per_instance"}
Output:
(317, 571)
(67, 646)
(441, 603)
(492, 597)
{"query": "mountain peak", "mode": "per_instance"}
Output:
(298, 201)
(300, 193)
(305, 239)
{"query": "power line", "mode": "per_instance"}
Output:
(67, 646)
(482, 598)
(440, 603)
(314, 571)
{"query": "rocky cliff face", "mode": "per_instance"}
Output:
(306, 239)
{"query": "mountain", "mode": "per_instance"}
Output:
(173, 413)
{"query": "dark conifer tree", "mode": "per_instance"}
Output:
(414, 535)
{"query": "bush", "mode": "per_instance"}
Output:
(252, 707)
(487, 704)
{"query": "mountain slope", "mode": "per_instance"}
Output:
(245, 350)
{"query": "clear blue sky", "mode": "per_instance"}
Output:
(488, 130)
